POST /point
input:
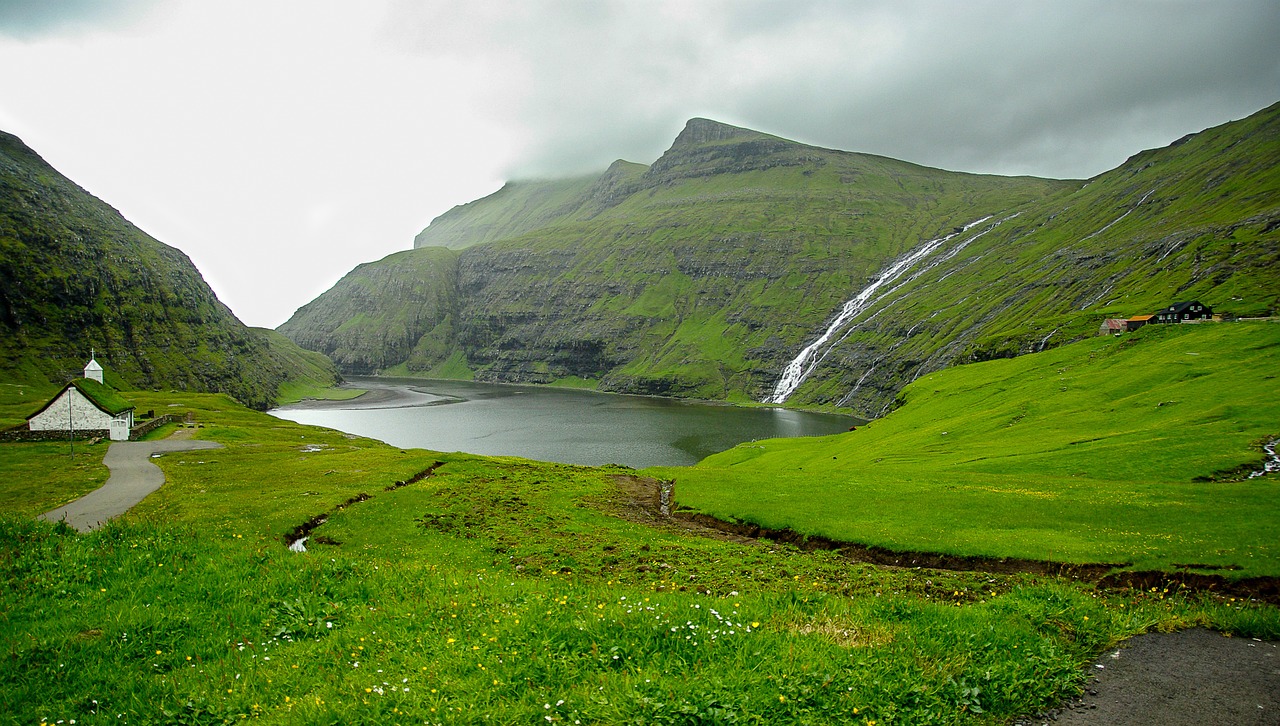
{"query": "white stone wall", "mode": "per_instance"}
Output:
(84, 415)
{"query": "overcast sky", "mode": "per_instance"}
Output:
(280, 143)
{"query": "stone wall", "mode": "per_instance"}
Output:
(22, 433)
(147, 427)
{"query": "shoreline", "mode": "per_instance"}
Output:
(376, 395)
(408, 392)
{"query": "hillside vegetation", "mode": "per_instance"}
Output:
(1130, 450)
(75, 276)
(674, 278)
(398, 311)
(706, 272)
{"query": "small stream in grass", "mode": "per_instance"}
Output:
(553, 424)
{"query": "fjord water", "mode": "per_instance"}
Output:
(553, 424)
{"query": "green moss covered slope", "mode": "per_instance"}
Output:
(75, 275)
(671, 278)
(707, 272)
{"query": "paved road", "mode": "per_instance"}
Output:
(133, 476)
(1187, 678)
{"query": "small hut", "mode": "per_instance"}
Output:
(1113, 326)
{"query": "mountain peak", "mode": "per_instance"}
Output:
(704, 130)
(706, 148)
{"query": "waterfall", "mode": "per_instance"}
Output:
(803, 364)
(1272, 463)
(1113, 222)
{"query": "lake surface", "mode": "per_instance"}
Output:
(553, 424)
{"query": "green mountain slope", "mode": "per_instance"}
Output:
(1195, 220)
(674, 278)
(1131, 449)
(516, 208)
(707, 273)
(75, 275)
(397, 311)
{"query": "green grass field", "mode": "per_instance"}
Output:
(510, 591)
(1094, 452)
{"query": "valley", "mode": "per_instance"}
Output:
(1027, 495)
(445, 587)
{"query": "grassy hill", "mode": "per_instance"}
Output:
(706, 272)
(75, 275)
(1123, 449)
(1199, 219)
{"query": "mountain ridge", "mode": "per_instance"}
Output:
(562, 225)
(705, 273)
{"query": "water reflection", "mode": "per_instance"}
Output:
(575, 427)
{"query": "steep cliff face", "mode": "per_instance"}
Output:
(75, 275)
(708, 272)
(397, 311)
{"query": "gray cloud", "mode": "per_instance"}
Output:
(260, 135)
(1066, 89)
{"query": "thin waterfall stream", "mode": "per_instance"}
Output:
(803, 364)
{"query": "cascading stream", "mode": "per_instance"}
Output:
(1272, 463)
(803, 364)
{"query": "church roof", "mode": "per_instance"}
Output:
(93, 365)
(103, 396)
(99, 394)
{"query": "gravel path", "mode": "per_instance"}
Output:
(1179, 679)
(133, 476)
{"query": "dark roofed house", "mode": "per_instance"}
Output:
(86, 404)
(1183, 311)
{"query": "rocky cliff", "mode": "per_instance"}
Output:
(398, 311)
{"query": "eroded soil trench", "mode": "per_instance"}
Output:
(646, 504)
(296, 538)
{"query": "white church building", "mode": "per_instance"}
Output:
(86, 404)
